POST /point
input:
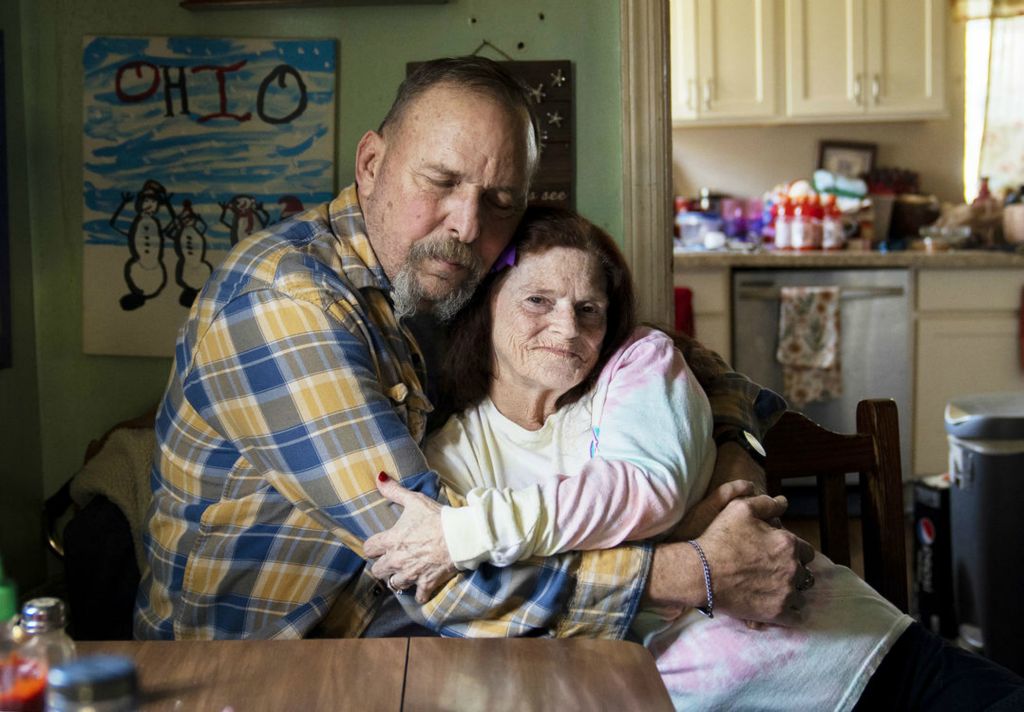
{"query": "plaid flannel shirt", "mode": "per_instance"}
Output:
(293, 385)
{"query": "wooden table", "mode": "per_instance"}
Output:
(392, 674)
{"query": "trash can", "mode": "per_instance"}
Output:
(986, 465)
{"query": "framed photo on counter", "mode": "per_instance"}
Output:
(846, 158)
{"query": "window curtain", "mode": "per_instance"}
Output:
(986, 9)
(1002, 141)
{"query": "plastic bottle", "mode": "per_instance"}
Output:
(783, 225)
(800, 228)
(817, 217)
(984, 194)
(832, 235)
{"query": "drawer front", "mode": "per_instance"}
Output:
(969, 290)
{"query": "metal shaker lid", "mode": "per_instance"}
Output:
(41, 615)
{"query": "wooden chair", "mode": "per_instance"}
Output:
(798, 447)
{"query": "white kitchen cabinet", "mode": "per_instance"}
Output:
(967, 343)
(723, 59)
(854, 59)
(712, 319)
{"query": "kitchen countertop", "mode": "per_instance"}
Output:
(952, 259)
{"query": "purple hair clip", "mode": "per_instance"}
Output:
(507, 258)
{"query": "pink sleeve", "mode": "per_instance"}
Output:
(653, 452)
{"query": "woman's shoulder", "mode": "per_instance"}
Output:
(643, 344)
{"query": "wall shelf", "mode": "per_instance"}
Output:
(264, 4)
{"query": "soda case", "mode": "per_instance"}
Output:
(933, 557)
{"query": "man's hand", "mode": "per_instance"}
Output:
(413, 552)
(755, 567)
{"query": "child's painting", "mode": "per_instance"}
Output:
(190, 145)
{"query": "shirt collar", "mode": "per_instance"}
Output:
(358, 259)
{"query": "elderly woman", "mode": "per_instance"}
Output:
(547, 371)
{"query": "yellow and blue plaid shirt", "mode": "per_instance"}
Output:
(293, 385)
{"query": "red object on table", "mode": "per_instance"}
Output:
(26, 691)
(684, 311)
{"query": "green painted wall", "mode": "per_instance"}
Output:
(20, 467)
(80, 396)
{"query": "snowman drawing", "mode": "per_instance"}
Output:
(144, 272)
(247, 216)
(188, 230)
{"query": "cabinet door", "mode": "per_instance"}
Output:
(736, 58)
(711, 306)
(958, 356)
(825, 57)
(905, 71)
(683, 43)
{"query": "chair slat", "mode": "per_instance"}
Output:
(799, 447)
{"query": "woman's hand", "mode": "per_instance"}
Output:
(413, 552)
(700, 515)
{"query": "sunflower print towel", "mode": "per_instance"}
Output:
(809, 344)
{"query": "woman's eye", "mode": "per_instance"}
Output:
(539, 301)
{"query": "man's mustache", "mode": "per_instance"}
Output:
(448, 249)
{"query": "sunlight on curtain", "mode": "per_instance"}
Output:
(1002, 144)
(994, 95)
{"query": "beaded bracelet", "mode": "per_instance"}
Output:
(709, 609)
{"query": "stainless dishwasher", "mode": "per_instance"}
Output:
(874, 339)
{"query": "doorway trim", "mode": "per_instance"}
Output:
(646, 155)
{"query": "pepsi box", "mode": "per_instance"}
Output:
(933, 557)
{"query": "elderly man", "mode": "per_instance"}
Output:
(295, 382)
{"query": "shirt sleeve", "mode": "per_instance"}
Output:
(735, 399)
(653, 456)
(298, 390)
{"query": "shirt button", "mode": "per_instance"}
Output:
(377, 590)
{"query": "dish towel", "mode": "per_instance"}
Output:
(809, 344)
(684, 311)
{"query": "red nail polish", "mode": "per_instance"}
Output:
(382, 476)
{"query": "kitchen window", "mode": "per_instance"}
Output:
(994, 105)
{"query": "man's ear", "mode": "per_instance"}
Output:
(369, 157)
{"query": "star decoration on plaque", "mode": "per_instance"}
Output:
(555, 119)
(557, 78)
(537, 93)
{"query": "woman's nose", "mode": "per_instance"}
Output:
(565, 321)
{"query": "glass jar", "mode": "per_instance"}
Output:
(99, 683)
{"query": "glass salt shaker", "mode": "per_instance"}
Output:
(42, 622)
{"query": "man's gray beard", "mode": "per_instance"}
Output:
(407, 291)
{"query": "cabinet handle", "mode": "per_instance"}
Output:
(858, 92)
(876, 88)
(691, 94)
(707, 94)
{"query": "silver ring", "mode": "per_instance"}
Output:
(807, 582)
(392, 587)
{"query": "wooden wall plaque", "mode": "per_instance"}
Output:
(552, 92)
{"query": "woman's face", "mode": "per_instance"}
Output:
(549, 317)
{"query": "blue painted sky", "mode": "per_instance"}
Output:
(127, 143)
